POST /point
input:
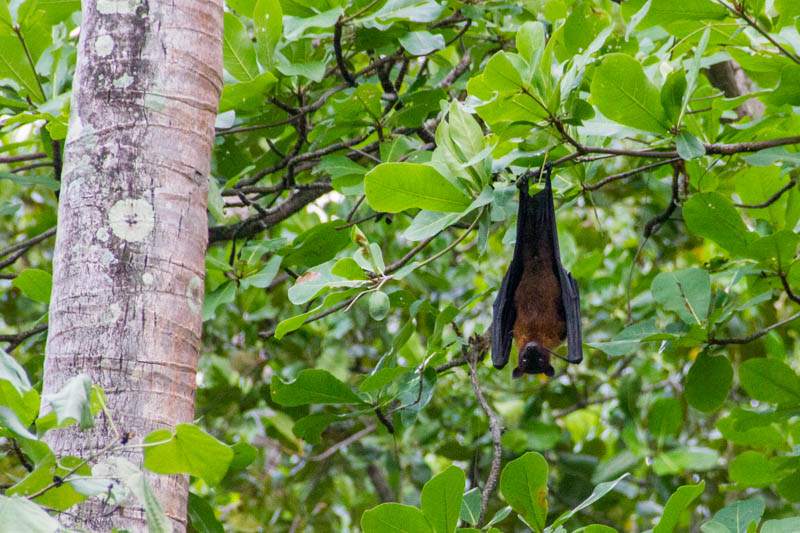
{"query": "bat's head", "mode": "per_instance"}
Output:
(534, 359)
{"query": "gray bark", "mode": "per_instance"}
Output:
(126, 306)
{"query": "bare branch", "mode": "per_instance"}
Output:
(754, 336)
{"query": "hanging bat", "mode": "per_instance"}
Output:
(538, 305)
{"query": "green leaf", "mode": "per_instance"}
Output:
(599, 491)
(61, 497)
(420, 43)
(683, 459)
(248, 95)
(689, 146)
(429, 223)
(10, 421)
(785, 525)
(243, 455)
(21, 514)
(757, 185)
(441, 499)
(72, 403)
(770, 380)
(31, 179)
(471, 506)
(665, 418)
(736, 518)
(394, 518)
(238, 52)
(676, 505)
(187, 450)
(622, 92)
(672, 95)
(501, 74)
(268, 22)
(312, 386)
(134, 479)
(738, 429)
(752, 469)
(9, 208)
(789, 487)
(264, 276)
(293, 323)
(523, 484)
(778, 248)
(395, 187)
(382, 377)
(317, 245)
(310, 428)
(627, 340)
(14, 64)
(12, 372)
(411, 10)
(222, 295)
(712, 216)
(708, 382)
(201, 516)
(664, 12)
(35, 284)
(295, 27)
(582, 26)
(685, 292)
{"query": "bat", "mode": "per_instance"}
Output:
(538, 305)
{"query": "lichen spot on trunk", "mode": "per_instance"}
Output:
(194, 294)
(131, 219)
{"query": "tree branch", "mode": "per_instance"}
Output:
(754, 336)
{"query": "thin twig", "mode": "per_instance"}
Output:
(622, 175)
(496, 429)
(771, 200)
(349, 440)
(19, 158)
(754, 336)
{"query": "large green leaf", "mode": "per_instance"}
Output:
(187, 450)
(35, 284)
(201, 515)
(395, 187)
(238, 52)
(312, 386)
(752, 469)
(770, 380)
(523, 484)
(72, 403)
(686, 292)
(21, 514)
(708, 382)
(736, 517)
(268, 22)
(621, 91)
(665, 418)
(394, 518)
(441, 499)
(712, 216)
(317, 245)
(676, 504)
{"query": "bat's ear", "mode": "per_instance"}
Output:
(516, 373)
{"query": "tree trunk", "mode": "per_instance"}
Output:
(128, 268)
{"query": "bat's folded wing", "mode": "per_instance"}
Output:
(503, 317)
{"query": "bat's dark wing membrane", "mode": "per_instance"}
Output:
(535, 220)
(569, 287)
(529, 220)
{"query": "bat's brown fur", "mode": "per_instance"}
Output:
(540, 311)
